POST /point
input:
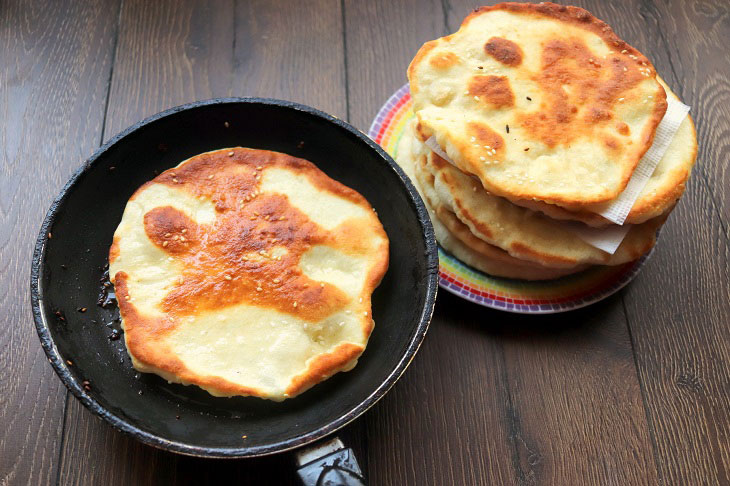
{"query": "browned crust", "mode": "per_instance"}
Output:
(513, 267)
(114, 250)
(644, 210)
(218, 177)
(504, 51)
(494, 260)
(324, 366)
(585, 20)
(144, 338)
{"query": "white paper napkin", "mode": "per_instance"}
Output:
(621, 206)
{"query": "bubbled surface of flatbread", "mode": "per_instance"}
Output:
(247, 272)
(526, 234)
(539, 102)
(659, 195)
(454, 236)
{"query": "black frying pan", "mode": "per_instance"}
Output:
(71, 254)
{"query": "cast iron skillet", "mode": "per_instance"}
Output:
(71, 254)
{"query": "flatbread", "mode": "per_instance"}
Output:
(661, 192)
(526, 234)
(539, 102)
(454, 236)
(247, 272)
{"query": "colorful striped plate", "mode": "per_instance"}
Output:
(563, 294)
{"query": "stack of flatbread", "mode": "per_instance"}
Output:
(530, 121)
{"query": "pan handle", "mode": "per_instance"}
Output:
(329, 463)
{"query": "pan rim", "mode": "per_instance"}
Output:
(62, 369)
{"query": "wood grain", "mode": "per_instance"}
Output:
(681, 335)
(633, 390)
(169, 53)
(558, 399)
(55, 59)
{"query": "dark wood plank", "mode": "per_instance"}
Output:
(681, 334)
(448, 419)
(167, 53)
(291, 50)
(382, 38)
(54, 67)
(170, 53)
(500, 398)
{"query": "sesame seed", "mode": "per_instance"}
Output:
(182, 238)
(259, 289)
(174, 180)
(360, 300)
(625, 68)
(348, 311)
(176, 237)
(482, 158)
(276, 280)
(167, 235)
(259, 167)
(230, 154)
(342, 323)
(165, 243)
(226, 124)
(252, 218)
(476, 98)
(620, 99)
(295, 304)
(228, 277)
(624, 51)
(321, 284)
(365, 313)
(184, 230)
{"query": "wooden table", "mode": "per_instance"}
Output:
(634, 390)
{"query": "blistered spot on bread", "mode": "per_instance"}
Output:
(611, 143)
(444, 60)
(504, 51)
(170, 229)
(494, 90)
(484, 135)
(569, 92)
